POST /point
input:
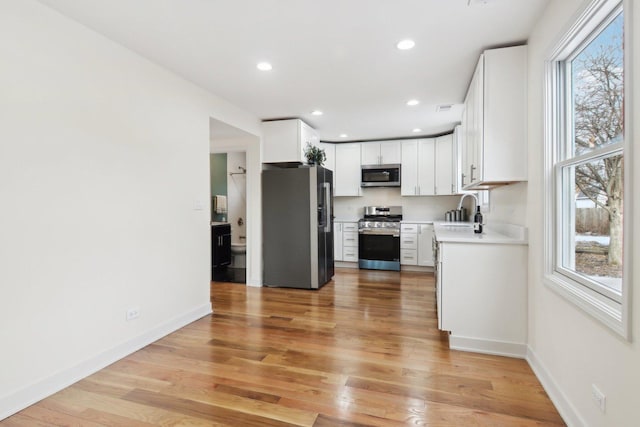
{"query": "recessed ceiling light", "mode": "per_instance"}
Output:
(317, 113)
(343, 135)
(412, 102)
(264, 66)
(405, 44)
(416, 130)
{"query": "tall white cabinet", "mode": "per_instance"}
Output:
(347, 170)
(494, 127)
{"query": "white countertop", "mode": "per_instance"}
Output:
(461, 232)
(214, 223)
(346, 219)
(411, 221)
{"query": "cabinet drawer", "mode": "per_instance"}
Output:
(350, 226)
(350, 238)
(409, 228)
(350, 254)
(408, 257)
(408, 241)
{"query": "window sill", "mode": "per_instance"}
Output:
(608, 312)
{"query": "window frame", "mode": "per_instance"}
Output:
(607, 307)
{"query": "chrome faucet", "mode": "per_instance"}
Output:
(462, 200)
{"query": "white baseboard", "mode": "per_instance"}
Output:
(27, 396)
(417, 268)
(562, 404)
(346, 264)
(498, 348)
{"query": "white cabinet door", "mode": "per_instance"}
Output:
(488, 306)
(337, 241)
(390, 152)
(418, 167)
(381, 153)
(425, 245)
(370, 153)
(505, 115)
(409, 169)
(426, 164)
(456, 158)
(347, 173)
(444, 184)
(285, 140)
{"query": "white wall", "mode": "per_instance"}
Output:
(103, 163)
(237, 195)
(570, 349)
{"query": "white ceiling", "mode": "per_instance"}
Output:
(338, 56)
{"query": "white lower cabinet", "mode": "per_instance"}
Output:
(425, 245)
(416, 244)
(345, 241)
(482, 297)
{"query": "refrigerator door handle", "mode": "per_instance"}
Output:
(327, 206)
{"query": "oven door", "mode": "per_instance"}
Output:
(379, 249)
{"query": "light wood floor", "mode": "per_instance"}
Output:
(362, 351)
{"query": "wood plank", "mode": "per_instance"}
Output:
(362, 351)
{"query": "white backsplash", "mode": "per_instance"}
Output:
(414, 208)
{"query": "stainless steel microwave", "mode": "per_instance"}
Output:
(380, 176)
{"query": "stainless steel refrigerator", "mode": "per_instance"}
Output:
(297, 227)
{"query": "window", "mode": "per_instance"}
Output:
(585, 165)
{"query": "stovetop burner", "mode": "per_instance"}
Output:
(381, 217)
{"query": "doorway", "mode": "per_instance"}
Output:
(235, 201)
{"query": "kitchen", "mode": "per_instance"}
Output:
(113, 147)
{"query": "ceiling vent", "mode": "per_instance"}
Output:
(478, 2)
(443, 108)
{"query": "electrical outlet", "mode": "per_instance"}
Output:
(598, 397)
(133, 313)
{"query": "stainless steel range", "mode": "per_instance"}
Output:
(379, 238)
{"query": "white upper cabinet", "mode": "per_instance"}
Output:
(381, 153)
(427, 167)
(285, 140)
(494, 150)
(418, 158)
(444, 166)
(347, 170)
(409, 170)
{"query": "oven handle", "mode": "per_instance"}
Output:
(381, 232)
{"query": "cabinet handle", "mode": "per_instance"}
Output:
(472, 169)
(462, 180)
(453, 190)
